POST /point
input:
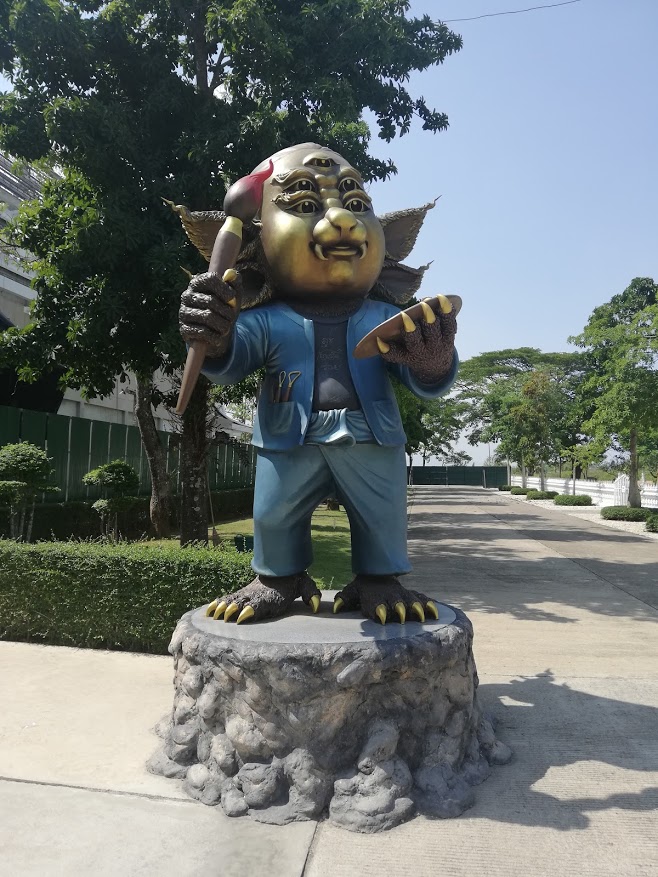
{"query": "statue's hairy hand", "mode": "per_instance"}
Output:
(426, 348)
(209, 309)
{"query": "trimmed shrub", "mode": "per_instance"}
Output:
(520, 491)
(652, 523)
(542, 494)
(577, 499)
(93, 595)
(624, 513)
(504, 487)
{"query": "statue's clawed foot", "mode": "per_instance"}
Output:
(266, 597)
(382, 598)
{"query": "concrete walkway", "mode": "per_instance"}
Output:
(565, 614)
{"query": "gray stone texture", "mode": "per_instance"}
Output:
(371, 730)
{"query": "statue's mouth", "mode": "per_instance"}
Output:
(340, 251)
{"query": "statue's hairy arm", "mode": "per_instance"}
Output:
(210, 311)
(426, 348)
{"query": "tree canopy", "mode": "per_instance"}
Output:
(135, 102)
(621, 344)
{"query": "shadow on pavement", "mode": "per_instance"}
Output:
(552, 726)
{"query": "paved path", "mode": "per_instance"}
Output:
(565, 614)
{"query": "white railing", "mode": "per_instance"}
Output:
(603, 493)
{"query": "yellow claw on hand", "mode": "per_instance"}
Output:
(444, 304)
(230, 276)
(432, 609)
(230, 612)
(401, 612)
(380, 612)
(382, 345)
(245, 615)
(219, 611)
(338, 604)
(418, 609)
(314, 603)
(428, 313)
(212, 607)
(409, 325)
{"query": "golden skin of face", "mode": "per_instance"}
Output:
(319, 232)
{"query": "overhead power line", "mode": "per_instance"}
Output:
(511, 11)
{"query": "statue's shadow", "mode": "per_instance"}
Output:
(554, 729)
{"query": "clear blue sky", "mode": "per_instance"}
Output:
(548, 172)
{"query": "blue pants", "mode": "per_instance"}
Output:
(369, 480)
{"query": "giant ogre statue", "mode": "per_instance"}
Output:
(317, 272)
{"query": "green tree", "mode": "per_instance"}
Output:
(443, 421)
(137, 101)
(621, 343)
(25, 474)
(525, 400)
(119, 483)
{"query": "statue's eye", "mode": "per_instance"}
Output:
(357, 205)
(306, 207)
(348, 185)
(302, 186)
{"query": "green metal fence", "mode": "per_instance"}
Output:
(76, 445)
(456, 476)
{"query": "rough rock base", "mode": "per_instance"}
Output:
(373, 725)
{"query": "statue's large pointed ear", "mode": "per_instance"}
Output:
(202, 226)
(401, 230)
(398, 283)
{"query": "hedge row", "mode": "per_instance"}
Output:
(542, 494)
(77, 520)
(109, 597)
(652, 523)
(624, 513)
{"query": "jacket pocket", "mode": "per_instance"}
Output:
(282, 417)
(388, 415)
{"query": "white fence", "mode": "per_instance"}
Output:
(602, 492)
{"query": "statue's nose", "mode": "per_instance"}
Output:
(342, 219)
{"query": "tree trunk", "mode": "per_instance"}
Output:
(193, 466)
(524, 475)
(542, 476)
(30, 522)
(634, 496)
(161, 505)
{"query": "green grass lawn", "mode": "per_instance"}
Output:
(330, 532)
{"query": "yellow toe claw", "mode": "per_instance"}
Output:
(245, 615)
(232, 302)
(409, 325)
(211, 608)
(418, 609)
(428, 313)
(432, 609)
(380, 612)
(315, 603)
(230, 612)
(401, 612)
(444, 304)
(219, 611)
(382, 345)
(230, 275)
(338, 604)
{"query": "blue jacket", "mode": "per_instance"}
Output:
(276, 337)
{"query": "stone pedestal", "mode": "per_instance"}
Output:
(287, 719)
